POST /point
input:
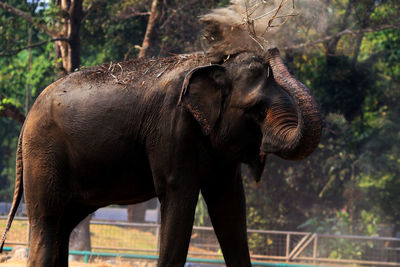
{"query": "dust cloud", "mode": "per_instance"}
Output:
(261, 24)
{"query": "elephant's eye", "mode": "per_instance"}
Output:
(255, 74)
(258, 110)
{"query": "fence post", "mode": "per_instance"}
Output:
(86, 258)
(28, 230)
(315, 249)
(287, 246)
(158, 238)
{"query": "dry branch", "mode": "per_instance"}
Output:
(37, 24)
(11, 111)
(16, 51)
(250, 22)
(91, 8)
(344, 32)
(132, 14)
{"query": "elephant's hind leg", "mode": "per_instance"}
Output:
(48, 244)
(50, 237)
(52, 208)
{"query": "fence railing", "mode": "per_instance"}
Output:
(284, 246)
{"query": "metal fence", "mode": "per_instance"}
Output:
(282, 246)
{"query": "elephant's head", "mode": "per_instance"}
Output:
(251, 106)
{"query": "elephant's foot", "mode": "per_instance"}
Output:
(48, 248)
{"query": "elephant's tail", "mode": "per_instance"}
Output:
(17, 191)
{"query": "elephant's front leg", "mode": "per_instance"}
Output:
(178, 205)
(226, 206)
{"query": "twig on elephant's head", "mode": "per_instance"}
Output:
(250, 22)
(149, 68)
(111, 68)
(122, 70)
(244, 25)
(250, 26)
(276, 13)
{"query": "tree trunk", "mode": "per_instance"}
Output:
(80, 237)
(69, 51)
(137, 212)
(364, 23)
(151, 29)
(331, 45)
(360, 37)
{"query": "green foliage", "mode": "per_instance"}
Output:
(14, 30)
(21, 75)
(109, 34)
(8, 137)
(201, 217)
(342, 87)
(356, 167)
(342, 223)
(41, 72)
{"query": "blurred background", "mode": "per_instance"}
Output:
(346, 51)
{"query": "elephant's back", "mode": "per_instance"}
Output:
(112, 105)
(86, 117)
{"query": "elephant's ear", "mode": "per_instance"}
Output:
(202, 94)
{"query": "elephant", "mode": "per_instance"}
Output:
(170, 128)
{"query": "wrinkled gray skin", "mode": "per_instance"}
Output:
(166, 128)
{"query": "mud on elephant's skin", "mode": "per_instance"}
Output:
(168, 128)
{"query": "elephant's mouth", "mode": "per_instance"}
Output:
(257, 166)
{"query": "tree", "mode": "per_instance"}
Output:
(65, 33)
(64, 30)
(23, 69)
(349, 66)
(154, 22)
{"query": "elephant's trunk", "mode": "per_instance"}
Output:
(292, 140)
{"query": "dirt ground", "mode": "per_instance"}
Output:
(21, 263)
